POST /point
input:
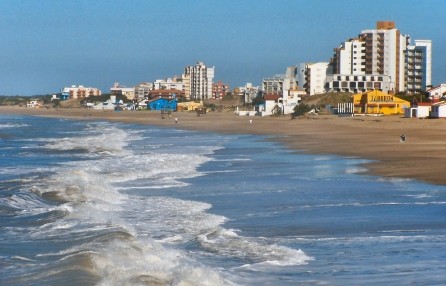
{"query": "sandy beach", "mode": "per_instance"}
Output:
(421, 157)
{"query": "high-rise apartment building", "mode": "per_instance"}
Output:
(197, 81)
(385, 52)
(381, 53)
(349, 58)
(418, 66)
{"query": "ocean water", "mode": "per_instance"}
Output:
(100, 203)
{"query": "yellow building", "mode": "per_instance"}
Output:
(378, 102)
(189, 105)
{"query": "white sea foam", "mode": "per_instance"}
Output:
(136, 263)
(21, 258)
(258, 251)
(11, 125)
(393, 179)
(110, 141)
(355, 170)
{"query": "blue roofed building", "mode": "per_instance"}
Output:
(162, 104)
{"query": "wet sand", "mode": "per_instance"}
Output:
(422, 156)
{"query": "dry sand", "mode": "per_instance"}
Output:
(421, 157)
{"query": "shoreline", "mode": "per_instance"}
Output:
(422, 157)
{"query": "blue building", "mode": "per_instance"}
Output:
(162, 104)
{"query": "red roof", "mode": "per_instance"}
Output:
(166, 93)
(424, 103)
(271, 96)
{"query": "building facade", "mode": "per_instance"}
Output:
(219, 89)
(128, 92)
(142, 90)
(79, 91)
(349, 57)
(248, 92)
(418, 66)
(198, 81)
(312, 77)
(358, 83)
(377, 102)
(169, 83)
(273, 85)
(386, 53)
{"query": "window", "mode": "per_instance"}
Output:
(377, 85)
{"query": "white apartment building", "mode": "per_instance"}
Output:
(385, 52)
(198, 81)
(249, 92)
(142, 90)
(79, 91)
(168, 83)
(311, 77)
(273, 85)
(419, 66)
(281, 84)
(351, 59)
(128, 92)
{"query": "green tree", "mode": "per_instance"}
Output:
(301, 109)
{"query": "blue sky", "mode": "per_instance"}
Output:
(48, 44)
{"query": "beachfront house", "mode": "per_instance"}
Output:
(438, 110)
(280, 104)
(436, 93)
(421, 110)
(111, 104)
(107, 105)
(270, 105)
(290, 100)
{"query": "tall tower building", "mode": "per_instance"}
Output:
(381, 59)
(349, 58)
(385, 52)
(197, 81)
(418, 66)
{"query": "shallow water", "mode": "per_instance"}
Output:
(99, 203)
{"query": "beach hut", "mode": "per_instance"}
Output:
(439, 110)
(421, 110)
